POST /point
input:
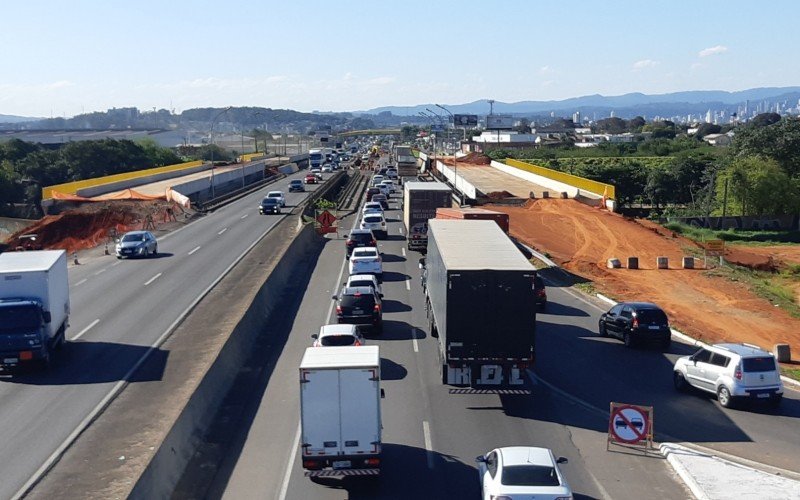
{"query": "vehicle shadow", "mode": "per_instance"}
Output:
(391, 370)
(162, 255)
(399, 330)
(109, 362)
(394, 276)
(393, 306)
(395, 237)
(558, 309)
(390, 257)
(448, 477)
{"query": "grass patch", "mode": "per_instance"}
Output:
(769, 286)
(701, 234)
(586, 287)
(792, 373)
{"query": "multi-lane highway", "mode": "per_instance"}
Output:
(120, 308)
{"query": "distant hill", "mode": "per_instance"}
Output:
(16, 119)
(676, 103)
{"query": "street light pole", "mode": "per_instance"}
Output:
(433, 124)
(211, 134)
(455, 156)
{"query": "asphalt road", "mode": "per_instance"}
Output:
(119, 309)
(430, 436)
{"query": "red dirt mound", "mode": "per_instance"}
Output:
(497, 195)
(471, 159)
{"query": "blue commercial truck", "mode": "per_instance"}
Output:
(34, 306)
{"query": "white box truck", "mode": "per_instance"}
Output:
(34, 306)
(340, 411)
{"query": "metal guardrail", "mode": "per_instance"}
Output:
(236, 194)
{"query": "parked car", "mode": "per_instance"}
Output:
(540, 292)
(372, 206)
(376, 222)
(269, 206)
(733, 372)
(359, 238)
(522, 472)
(360, 306)
(366, 260)
(372, 192)
(635, 323)
(310, 179)
(278, 195)
(337, 335)
(137, 244)
(364, 280)
(382, 199)
(296, 185)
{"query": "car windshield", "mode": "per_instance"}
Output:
(19, 318)
(365, 253)
(651, 316)
(269, 201)
(529, 475)
(274, 195)
(133, 237)
(336, 340)
(762, 364)
(295, 182)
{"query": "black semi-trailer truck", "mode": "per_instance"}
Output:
(480, 303)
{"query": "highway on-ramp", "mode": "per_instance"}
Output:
(120, 308)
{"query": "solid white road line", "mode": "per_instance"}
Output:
(400, 229)
(193, 250)
(426, 431)
(414, 339)
(119, 386)
(80, 334)
(408, 285)
(403, 250)
(81, 282)
(152, 279)
(220, 233)
(288, 474)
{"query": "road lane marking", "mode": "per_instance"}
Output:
(100, 271)
(426, 431)
(288, 474)
(193, 250)
(400, 229)
(408, 284)
(80, 333)
(220, 233)
(403, 251)
(81, 282)
(152, 279)
(244, 216)
(115, 264)
(414, 339)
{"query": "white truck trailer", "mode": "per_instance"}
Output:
(340, 411)
(34, 306)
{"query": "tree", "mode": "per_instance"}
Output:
(636, 124)
(765, 119)
(614, 125)
(779, 141)
(707, 128)
(759, 186)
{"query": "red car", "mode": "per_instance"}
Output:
(310, 179)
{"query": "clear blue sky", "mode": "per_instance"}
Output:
(85, 55)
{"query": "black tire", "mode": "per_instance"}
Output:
(44, 363)
(434, 331)
(724, 397)
(443, 373)
(627, 339)
(155, 251)
(680, 382)
(602, 329)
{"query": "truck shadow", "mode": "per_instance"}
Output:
(389, 257)
(399, 330)
(394, 276)
(391, 370)
(394, 237)
(406, 474)
(557, 309)
(84, 362)
(393, 306)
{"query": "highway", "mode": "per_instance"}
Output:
(120, 308)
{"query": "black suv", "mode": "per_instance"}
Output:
(359, 238)
(360, 305)
(636, 322)
(269, 206)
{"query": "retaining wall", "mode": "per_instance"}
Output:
(460, 183)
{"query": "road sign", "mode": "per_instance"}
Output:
(714, 247)
(631, 424)
(326, 219)
(465, 120)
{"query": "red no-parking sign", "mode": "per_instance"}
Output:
(630, 424)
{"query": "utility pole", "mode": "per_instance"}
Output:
(211, 137)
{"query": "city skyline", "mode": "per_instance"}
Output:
(95, 56)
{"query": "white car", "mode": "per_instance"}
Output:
(364, 157)
(278, 195)
(376, 180)
(327, 168)
(364, 280)
(366, 260)
(372, 206)
(389, 185)
(522, 472)
(376, 222)
(337, 335)
(317, 173)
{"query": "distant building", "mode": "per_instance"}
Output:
(718, 139)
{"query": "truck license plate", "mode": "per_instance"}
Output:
(655, 327)
(762, 395)
(342, 464)
(10, 360)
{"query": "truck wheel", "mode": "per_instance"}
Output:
(627, 339)
(432, 329)
(443, 373)
(61, 339)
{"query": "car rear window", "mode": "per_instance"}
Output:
(373, 218)
(360, 301)
(336, 340)
(365, 253)
(761, 364)
(361, 283)
(361, 237)
(529, 475)
(652, 316)
(373, 190)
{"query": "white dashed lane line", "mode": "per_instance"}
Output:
(193, 250)
(91, 325)
(244, 216)
(81, 282)
(220, 233)
(152, 279)
(100, 272)
(426, 431)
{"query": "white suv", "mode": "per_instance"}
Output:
(732, 372)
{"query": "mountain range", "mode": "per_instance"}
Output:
(675, 103)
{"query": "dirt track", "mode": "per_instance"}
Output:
(582, 238)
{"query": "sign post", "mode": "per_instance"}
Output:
(713, 248)
(630, 425)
